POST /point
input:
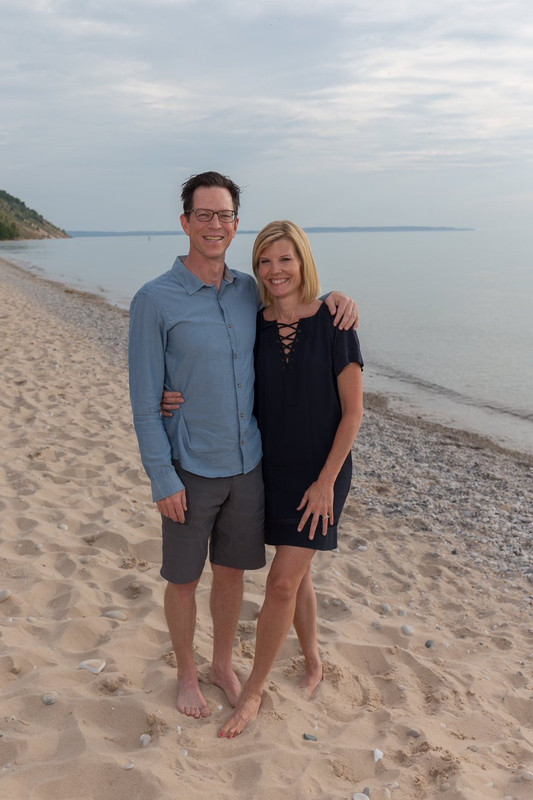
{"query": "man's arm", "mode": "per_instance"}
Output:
(147, 342)
(344, 308)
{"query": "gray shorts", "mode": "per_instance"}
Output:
(225, 516)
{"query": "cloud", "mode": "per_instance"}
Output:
(332, 86)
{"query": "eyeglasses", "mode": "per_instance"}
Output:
(206, 215)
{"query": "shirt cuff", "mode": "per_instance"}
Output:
(165, 484)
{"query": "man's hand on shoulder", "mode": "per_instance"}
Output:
(174, 506)
(345, 310)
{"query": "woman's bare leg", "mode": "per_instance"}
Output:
(305, 623)
(286, 572)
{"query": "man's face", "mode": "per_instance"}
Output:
(210, 239)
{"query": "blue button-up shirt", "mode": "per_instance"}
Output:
(192, 337)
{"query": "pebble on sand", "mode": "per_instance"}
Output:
(115, 613)
(310, 737)
(4, 594)
(378, 755)
(49, 698)
(92, 665)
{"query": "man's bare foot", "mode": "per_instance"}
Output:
(228, 682)
(312, 678)
(191, 701)
(246, 711)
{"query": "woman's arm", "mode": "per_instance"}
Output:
(318, 499)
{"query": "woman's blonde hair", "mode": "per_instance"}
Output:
(284, 229)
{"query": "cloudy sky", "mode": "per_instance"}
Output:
(330, 112)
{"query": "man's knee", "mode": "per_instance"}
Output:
(181, 591)
(228, 576)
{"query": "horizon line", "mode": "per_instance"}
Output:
(309, 229)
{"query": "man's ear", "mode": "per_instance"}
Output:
(184, 219)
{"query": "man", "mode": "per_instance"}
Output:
(193, 329)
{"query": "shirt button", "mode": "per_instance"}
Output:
(229, 324)
(239, 386)
(242, 413)
(235, 356)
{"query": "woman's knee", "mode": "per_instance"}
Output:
(282, 586)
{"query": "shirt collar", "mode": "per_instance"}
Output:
(190, 282)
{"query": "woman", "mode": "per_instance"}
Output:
(309, 406)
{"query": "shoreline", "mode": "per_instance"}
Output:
(483, 463)
(111, 323)
(425, 611)
(506, 420)
(428, 452)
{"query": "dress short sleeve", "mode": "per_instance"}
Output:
(346, 350)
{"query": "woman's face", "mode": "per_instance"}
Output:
(280, 269)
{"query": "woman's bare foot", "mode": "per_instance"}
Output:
(312, 678)
(246, 711)
(191, 701)
(228, 682)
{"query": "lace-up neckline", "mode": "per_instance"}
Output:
(288, 333)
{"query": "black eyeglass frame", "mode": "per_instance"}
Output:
(227, 211)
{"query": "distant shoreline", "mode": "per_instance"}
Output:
(348, 229)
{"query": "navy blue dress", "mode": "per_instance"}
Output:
(298, 409)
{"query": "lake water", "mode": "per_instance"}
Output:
(446, 317)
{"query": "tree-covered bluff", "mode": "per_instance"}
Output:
(17, 221)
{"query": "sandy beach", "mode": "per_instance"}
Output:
(425, 611)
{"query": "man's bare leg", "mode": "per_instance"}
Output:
(286, 572)
(180, 611)
(226, 602)
(305, 623)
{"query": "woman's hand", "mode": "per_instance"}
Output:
(318, 504)
(170, 402)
